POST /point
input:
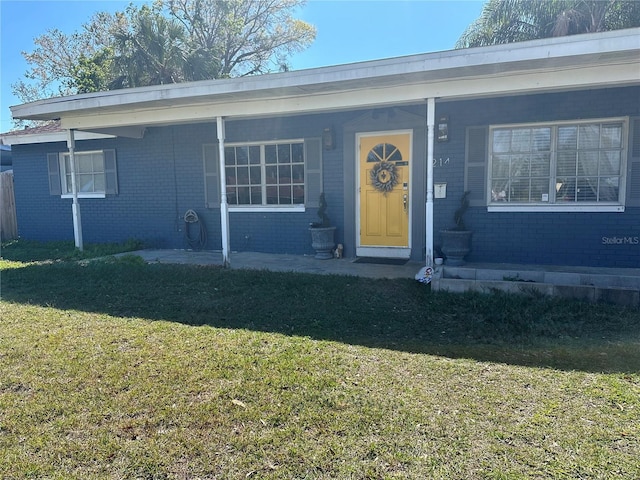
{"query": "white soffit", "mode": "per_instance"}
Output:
(593, 60)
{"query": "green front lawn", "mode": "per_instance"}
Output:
(118, 369)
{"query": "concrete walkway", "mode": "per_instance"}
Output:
(282, 263)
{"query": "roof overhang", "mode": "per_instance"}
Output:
(599, 60)
(27, 138)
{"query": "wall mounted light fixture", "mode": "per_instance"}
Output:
(443, 129)
(328, 139)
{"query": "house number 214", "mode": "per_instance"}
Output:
(439, 162)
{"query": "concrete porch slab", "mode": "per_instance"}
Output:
(613, 285)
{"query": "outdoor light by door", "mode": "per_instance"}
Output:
(443, 129)
(328, 142)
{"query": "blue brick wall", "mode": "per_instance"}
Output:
(544, 238)
(144, 209)
(556, 238)
(161, 177)
(40, 215)
(288, 232)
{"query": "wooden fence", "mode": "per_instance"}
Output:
(8, 223)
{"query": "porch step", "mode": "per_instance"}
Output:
(585, 284)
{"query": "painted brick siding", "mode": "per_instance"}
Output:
(40, 216)
(160, 177)
(143, 209)
(577, 238)
(289, 232)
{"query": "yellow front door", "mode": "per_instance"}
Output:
(384, 165)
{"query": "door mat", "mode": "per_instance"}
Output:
(382, 261)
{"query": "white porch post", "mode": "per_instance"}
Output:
(431, 115)
(75, 206)
(224, 206)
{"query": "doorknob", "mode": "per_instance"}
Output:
(404, 201)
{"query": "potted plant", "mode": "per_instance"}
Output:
(456, 241)
(322, 233)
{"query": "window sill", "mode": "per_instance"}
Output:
(84, 195)
(266, 208)
(555, 208)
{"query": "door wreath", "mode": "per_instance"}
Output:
(384, 176)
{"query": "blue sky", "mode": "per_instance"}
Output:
(347, 31)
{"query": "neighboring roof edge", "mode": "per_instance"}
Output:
(46, 133)
(49, 127)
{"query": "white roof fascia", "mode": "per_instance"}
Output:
(604, 50)
(47, 137)
(516, 83)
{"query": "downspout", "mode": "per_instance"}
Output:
(224, 206)
(75, 206)
(431, 116)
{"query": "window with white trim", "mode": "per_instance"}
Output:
(269, 174)
(96, 173)
(90, 177)
(558, 164)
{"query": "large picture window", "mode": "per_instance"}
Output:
(266, 174)
(572, 163)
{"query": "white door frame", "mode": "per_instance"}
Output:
(383, 251)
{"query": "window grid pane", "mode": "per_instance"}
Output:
(599, 153)
(90, 174)
(69, 185)
(520, 165)
(266, 174)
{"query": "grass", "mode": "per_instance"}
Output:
(118, 369)
(33, 251)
